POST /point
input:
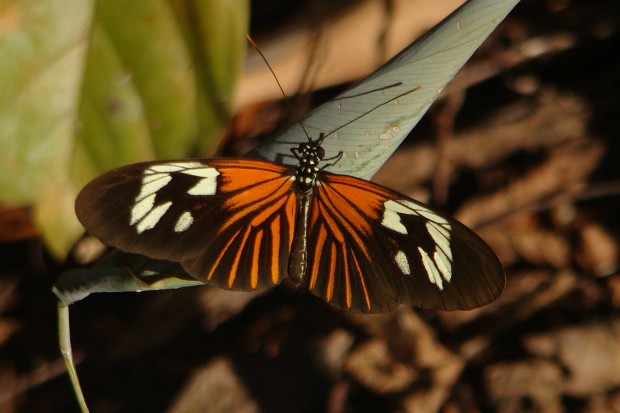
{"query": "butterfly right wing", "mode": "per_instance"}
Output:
(372, 248)
(229, 222)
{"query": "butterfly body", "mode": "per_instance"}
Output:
(309, 156)
(244, 224)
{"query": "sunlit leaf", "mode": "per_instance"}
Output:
(88, 86)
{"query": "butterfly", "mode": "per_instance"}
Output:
(244, 224)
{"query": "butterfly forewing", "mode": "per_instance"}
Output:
(229, 222)
(374, 248)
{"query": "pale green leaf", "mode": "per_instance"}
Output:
(88, 86)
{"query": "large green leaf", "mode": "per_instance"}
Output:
(88, 86)
(42, 50)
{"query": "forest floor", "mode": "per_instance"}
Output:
(523, 147)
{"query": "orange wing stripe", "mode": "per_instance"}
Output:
(290, 212)
(358, 187)
(268, 211)
(275, 249)
(347, 279)
(235, 179)
(319, 245)
(255, 259)
(221, 255)
(246, 202)
(361, 277)
(264, 191)
(235, 266)
(325, 213)
(332, 269)
(341, 203)
(328, 209)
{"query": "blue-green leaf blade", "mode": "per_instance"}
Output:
(391, 101)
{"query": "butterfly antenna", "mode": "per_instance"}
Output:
(288, 101)
(371, 109)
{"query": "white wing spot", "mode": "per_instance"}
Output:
(391, 220)
(184, 222)
(150, 186)
(443, 264)
(207, 185)
(420, 210)
(431, 269)
(438, 264)
(201, 172)
(152, 218)
(172, 167)
(402, 262)
(391, 216)
(441, 238)
(141, 208)
(145, 215)
(150, 176)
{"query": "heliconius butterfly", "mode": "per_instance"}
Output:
(244, 224)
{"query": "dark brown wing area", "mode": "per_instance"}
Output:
(372, 248)
(228, 221)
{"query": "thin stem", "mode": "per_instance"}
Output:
(64, 340)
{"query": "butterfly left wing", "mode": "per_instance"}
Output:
(371, 248)
(229, 222)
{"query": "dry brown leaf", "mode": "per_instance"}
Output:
(355, 36)
(215, 388)
(541, 247)
(588, 353)
(15, 224)
(598, 252)
(510, 385)
(613, 285)
(564, 172)
(373, 366)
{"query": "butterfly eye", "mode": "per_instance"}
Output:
(320, 152)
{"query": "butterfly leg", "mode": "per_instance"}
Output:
(336, 159)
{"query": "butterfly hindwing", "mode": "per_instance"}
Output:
(376, 248)
(228, 221)
(344, 268)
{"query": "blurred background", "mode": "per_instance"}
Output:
(522, 147)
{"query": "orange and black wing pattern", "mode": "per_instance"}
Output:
(372, 248)
(229, 222)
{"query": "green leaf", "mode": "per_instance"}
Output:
(103, 85)
(42, 50)
(120, 272)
